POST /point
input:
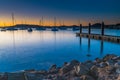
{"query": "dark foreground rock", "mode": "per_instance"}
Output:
(107, 68)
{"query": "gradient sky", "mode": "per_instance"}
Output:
(67, 11)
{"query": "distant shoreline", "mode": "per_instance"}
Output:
(94, 26)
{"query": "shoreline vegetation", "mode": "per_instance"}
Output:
(106, 68)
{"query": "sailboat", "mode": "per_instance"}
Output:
(62, 27)
(75, 28)
(3, 30)
(54, 28)
(40, 28)
(30, 30)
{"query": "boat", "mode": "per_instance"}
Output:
(41, 28)
(63, 28)
(54, 29)
(3, 30)
(30, 30)
(75, 28)
(11, 29)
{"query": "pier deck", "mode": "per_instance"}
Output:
(109, 38)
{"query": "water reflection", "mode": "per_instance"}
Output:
(101, 47)
(40, 49)
(98, 48)
(14, 45)
(89, 46)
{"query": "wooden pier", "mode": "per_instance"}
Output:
(102, 36)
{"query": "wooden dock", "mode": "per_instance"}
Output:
(109, 38)
(102, 36)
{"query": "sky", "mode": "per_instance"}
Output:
(67, 12)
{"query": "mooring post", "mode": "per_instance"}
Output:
(102, 28)
(80, 28)
(89, 29)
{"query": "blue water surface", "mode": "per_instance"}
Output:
(20, 50)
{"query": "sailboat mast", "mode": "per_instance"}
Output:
(42, 21)
(60, 23)
(55, 21)
(13, 19)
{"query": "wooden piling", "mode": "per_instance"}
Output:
(80, 28)
(102, 28)
(89, 29)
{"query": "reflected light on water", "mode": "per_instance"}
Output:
(41, 49)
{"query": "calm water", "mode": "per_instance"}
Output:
(41, 49)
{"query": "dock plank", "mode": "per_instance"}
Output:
(109, 38)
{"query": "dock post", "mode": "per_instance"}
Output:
(102, 28)
(89, 29)
(80, 28)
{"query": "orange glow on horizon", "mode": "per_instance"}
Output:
(6, 20)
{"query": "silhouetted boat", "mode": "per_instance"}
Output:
(23, 28)
(54, 29)
(30, 30)
(75, 28)
(3, 29)
(41, 28)
(63, 28)
(11, 29)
